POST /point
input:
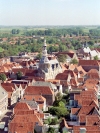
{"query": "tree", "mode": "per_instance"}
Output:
(53, 49)
(13, 31)
(17, 32)
(19, 75)
(74, 61)
(58, 96)
(54, 121)
(60, 103)
(51, 130)
(71, 35)
(3, 77)
(96, 57)
(1, 55)
(62, 58)
(39, 56)
(62, 47)
(91, 42)
(59, 111)
(50, 121)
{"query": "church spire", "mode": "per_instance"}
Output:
(44, 58)
(44, 51)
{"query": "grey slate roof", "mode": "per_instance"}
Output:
(44, 83)
(32, 104)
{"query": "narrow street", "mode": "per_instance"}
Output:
(5, 118)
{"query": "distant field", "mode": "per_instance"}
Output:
(8, 29)
(86, 29)
(4, 30)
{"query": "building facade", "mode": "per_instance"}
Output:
(48, 69)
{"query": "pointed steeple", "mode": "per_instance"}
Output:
(44, 58)
(44, 51)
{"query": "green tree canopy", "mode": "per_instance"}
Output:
(39, 56)
(58, 96)
(19, 75)
(96, 57)
(51, 130)
(3, 77)
(62, 47)
(62, 58)
(74, 61)
(59, 111)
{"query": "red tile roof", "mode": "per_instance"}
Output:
(85, 110)
(93, 73)
(21, 106)
(37, 98)
(24, 123)
(38, 90)
(89, 129)
(92, 119)
(64, 75)
(8, 84)
(74, 110)
(88, 63)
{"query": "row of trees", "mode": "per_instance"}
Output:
(15, 31)
(56, 32)
(3, 77)
(10, 50)
(94, 32)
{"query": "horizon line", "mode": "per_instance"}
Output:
(54, 25)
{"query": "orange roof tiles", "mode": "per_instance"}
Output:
(74, 82)
(24, 123)
(64, 75)
(92, 81)
(88, 63)
(85, 110)
(38, 90)
(21, 106)
(25, 112)
(74, 110)
(92, 119)
(37, 98)
(8, 84)
(8, 88)
(71, 67)
(89, 129)
(82, 118)
(80, 70)
(93, 73)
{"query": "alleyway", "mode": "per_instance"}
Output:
(5, 118)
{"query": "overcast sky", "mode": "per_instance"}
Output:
(49, 12)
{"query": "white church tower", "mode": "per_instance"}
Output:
(48, 69)
(44, 58)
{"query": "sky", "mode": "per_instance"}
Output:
(49, 12)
